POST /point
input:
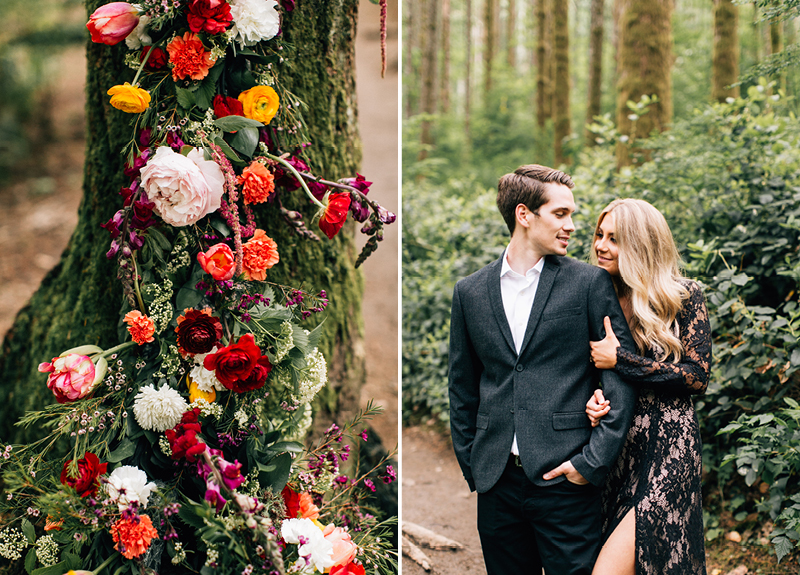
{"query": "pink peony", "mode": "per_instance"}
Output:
(111, 24)
(183, 188)
(71, 377)
(344, 550)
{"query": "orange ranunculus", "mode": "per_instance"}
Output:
(189, 58)
(260, 103)
(258, 255)
(218, 261)
(133, 536)
(140, 327)
(130, 99)
(257, 182)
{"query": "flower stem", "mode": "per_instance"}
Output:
(104, 564)
(297, 176)
(141, 66)
(120, 347)
(136, 284)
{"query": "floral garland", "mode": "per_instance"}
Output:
(184, 439)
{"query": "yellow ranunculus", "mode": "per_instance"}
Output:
(260, 103)
(195, 393)
(130, 99)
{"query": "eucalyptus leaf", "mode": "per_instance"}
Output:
(277, 479)
(245, 140)
(234, 123)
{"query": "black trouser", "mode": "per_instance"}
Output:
(524, 527)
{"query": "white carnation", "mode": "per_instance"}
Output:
(159, 410)
(127, 484)
(254, 20)
(206, 380)
(139, 36)
(316, 552)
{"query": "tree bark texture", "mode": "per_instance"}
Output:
(511, 35)
(561, 115)
(543, 91)
(468, 69)
(429, 47)
(776, 45)
(444, 89)
(79, 300)
(725, 58)
(643, 68)
(410, 20)
(489, 45)
(595, 65)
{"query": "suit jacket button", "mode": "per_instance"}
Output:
(512, 411)
(519, 367)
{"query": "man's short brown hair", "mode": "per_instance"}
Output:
(527, 186)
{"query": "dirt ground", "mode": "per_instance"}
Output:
(38, 214)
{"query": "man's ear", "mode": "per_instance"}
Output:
(521, 212)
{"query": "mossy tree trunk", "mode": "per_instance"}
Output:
(511, 35)
(561, 116)
(444, 84)
(543, 91)
(595, 65)
(468, 71)
(776, 46)
(644, 65)
(430, 52)
(79, 301)
(489, 45)
(725, 58)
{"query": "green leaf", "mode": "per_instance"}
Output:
(227, 150)
(188, 297)
(277, 479)
(740, 279)
(162, 241)
(30, 560)
(783, 546)
(234, 123)
(57, 569)
(795, 359)
(290, 446)
(245, 140)
(260, 58)
(123, 451)
(186, 99)
(29, 531)
(192, 514)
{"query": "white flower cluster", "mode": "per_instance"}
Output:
(316, 553)
(163, 444)
(160, 309)
(47, 551)
(159, 410)
(254, 20)
(207, 409)
(241, 418)
(316, 376)
(190, 131)
(180, 554)
(285, 341)
(127, 484)
(12, 543)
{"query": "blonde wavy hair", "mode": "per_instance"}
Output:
(649, 274)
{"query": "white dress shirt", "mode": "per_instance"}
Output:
(518, 292)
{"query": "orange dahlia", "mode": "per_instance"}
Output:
(189, 58)
(259, 254)
(140, 327)
(133, 536)
(257, 183)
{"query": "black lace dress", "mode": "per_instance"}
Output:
(658, 472)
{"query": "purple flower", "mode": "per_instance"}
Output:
(369, 485)
(386, 216)
(135, 240)
(364, 435)
(213, 495)
(143, 213)
(113, 224)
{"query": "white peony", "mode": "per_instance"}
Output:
(183, 188)
(159, 410)
(139, 36)
(206, 380)
(127, 484)
(254, 20)
(317, 550)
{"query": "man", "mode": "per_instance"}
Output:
(520, 376)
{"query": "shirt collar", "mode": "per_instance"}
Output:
(505, 268)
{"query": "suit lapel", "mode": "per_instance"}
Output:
(496, 301)
(546, 280)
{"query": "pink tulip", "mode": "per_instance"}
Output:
(71, 377)
(111, 24)
(218, 261)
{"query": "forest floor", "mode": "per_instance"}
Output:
(39, 201)
(435, 496)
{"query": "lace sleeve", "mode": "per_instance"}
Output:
(690, 374)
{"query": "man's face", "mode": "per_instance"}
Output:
(550, 230)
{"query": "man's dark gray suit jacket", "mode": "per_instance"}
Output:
(541, 393)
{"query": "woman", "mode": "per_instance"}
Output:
(652, 504)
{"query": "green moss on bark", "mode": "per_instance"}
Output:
(79, 300)
(561, 115)
(725, 58)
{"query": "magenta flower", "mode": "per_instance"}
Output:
(111, 24)
(214, 496)
(71, 377)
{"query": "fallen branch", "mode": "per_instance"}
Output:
(427, 538)
(416, 555)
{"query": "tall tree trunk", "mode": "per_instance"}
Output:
(489, 45)
(561, 117)
(776, 45)
(429, 48)
(444, 90)
(550, 57)
(409, 43)
(644, 69)
(511, 35)
(542, 64)
(725, 58)
(595, 65)
(78, 302)
(468, 71)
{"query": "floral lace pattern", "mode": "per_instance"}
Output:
(658, 472)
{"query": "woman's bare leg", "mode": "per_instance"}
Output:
(618, 555)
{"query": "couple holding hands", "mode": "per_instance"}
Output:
(573, 479)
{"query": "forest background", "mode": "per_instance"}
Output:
(689, 104)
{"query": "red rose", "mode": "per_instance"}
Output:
(240, 366)
(335, 213)
(183, 439)
(89, 469)
(349, 569)
(157, 60)
(212, 16)
(225, 106)
(198, 331)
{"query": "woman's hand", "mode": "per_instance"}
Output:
(604, 352)
(597, 407)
